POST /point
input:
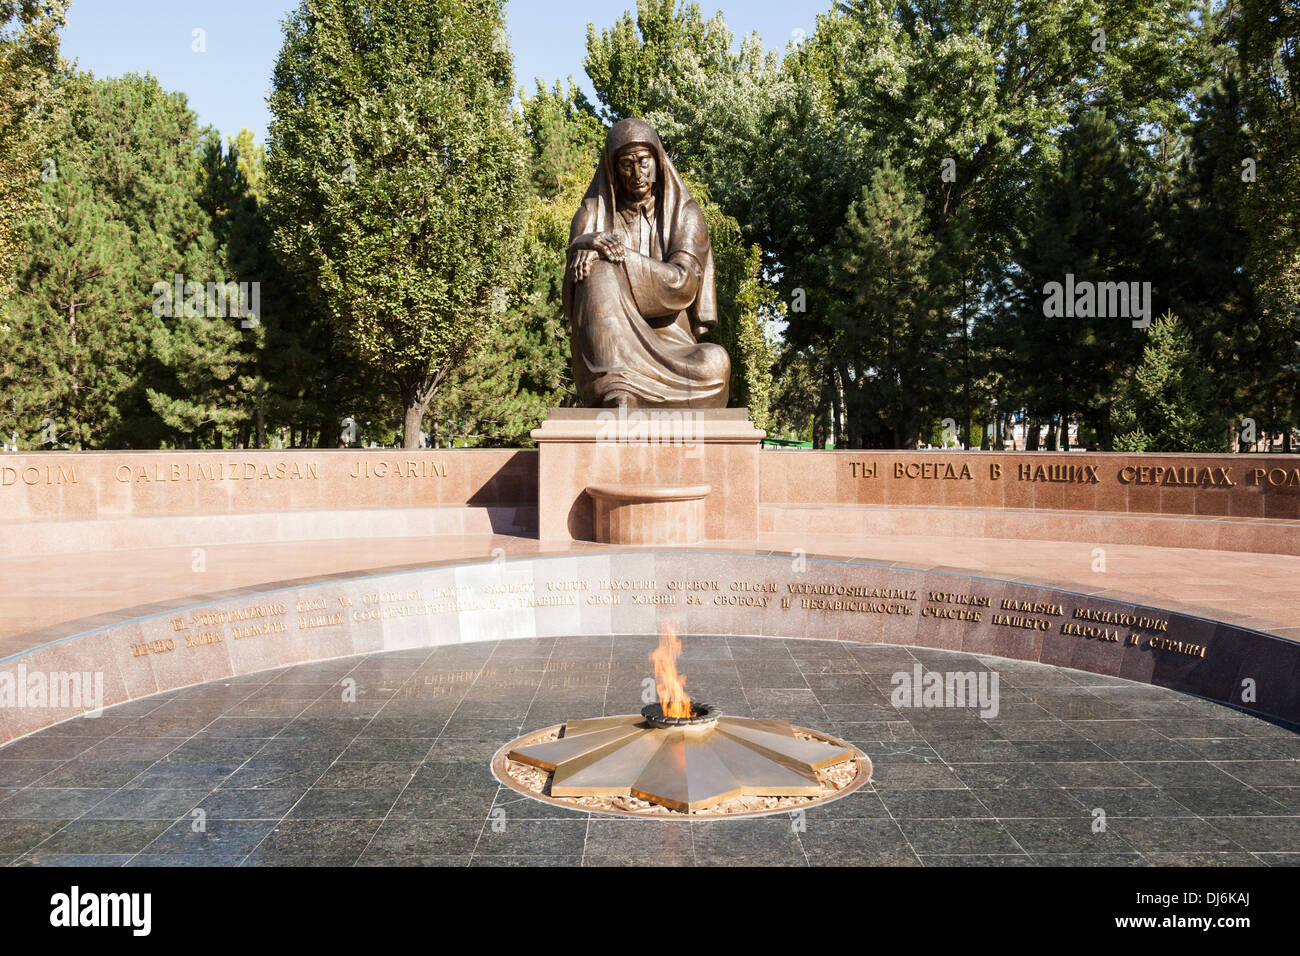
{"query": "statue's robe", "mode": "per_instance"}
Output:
(634, 323)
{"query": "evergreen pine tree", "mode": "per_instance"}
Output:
(1171, 403)
(119, 217)
(888, 324)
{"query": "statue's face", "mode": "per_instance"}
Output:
(637, 172)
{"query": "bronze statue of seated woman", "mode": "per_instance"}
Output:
(639, 287)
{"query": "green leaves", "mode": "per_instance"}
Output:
(1171, 402)
(625, 60)
(396, 177)
(29, 68)
(887, 314)
(121, 214)
(1264, 55)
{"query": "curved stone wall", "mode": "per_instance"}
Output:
(698, 592)
(60, 502)
(1239, 486)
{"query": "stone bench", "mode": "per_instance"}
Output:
(648, 514)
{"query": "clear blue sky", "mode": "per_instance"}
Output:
(227, 83)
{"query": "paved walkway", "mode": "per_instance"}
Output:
(284, 772)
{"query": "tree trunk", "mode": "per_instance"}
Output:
(837, 408)
(417, 392)
(328, 435)
(965, 362)
(851, 413)
(412, 422)
(819, 423)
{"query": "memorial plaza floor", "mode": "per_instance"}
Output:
(274, 768)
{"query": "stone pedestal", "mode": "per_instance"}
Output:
(660, 452)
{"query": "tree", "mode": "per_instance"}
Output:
(503, 392)
(794, 398)
(625, 60)
(745, 305)
(206, 383)
(1206, 246)
(250, 157)
(1093, 221)
(887, 319)
(1265, 38)
(396, 179)
(120, 216)
(565, 137)
(966, 99)
(1171, 404)
(29, 69)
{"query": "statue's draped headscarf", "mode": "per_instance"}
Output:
(679, 219)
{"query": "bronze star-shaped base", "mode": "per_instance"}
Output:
(684, 769)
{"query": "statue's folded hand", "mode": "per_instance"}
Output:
(609, 245)
(582, 260)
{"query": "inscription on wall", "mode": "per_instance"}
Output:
(213, 468)
(1175, 476)
(205, 629)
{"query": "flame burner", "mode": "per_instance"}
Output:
(702, 715)
(680, 754)
(686, 764)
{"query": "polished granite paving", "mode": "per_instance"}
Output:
(278, 768)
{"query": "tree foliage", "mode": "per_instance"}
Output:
(396, 179)
(121, 214)
(889, 200)
(1171, 403)
(29, 70)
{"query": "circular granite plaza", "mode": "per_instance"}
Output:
(384, 759)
